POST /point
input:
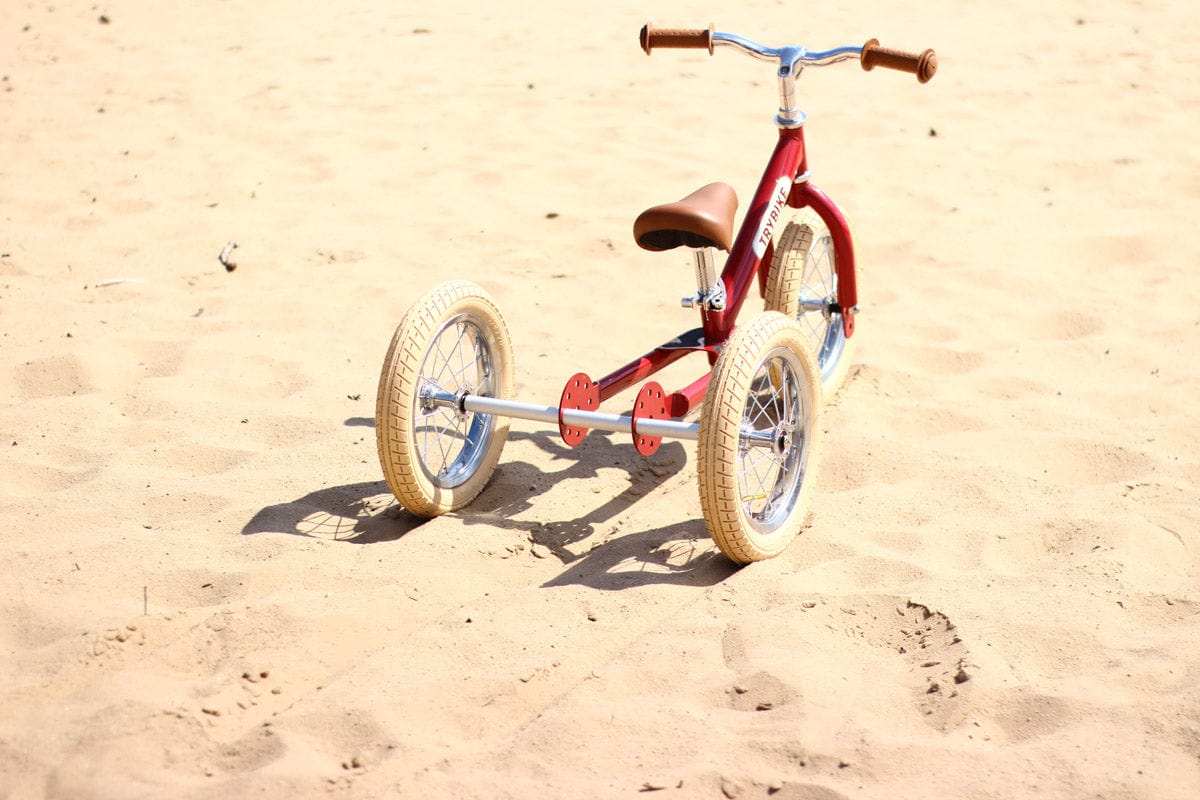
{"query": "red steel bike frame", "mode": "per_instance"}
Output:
(785, 181)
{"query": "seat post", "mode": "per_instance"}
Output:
(706, 271)
(710, 290)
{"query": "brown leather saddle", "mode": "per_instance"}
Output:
(702, 219)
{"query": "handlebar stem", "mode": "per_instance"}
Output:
(791, 60)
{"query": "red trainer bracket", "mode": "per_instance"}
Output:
(580, 394)
(651, 403)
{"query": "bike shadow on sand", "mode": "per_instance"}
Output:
(680, 554)
(620, 555)
(367, 513)
(356, 513)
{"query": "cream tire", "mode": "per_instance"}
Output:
(760, 439)
(452, 341)
(802, 284)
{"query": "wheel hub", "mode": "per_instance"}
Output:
(426, 394)
(782, 440)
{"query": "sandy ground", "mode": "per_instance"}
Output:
(207, 591)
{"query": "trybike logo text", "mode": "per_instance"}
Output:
(766, 228)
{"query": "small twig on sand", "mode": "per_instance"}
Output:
(115, 281)
(230, 266)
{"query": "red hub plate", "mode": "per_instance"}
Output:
(580, 394)
(651, 403)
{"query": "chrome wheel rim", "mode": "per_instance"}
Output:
(822, 325)
(451, 443)
(773, 452)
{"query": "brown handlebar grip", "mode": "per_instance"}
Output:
(652, 37)
(923, 65)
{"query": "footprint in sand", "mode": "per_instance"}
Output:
(254, 687)
(112, 643)
(761, 691)
(928, 640)
(935, 663)
(938, 670)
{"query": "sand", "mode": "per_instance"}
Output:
(206, 590)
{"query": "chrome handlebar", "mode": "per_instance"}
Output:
(789, 56)
(791, 59)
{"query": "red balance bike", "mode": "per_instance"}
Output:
(444, 401)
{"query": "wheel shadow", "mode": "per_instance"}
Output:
(681, 553)
(365, 513)
(357, 513)
(517, 484)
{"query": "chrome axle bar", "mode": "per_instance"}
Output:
(595, 420)
(433, 397)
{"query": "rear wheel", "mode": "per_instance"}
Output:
(760, 439)
(802, 283)
(453, 341)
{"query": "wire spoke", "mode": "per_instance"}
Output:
(441, 430)
(449, 442)
(445, 355)
(817, 264)
(461, 371)
(778, 402)
(483, 384)
(767, 475)
(446, 433)
(757, 390)
(766, 457)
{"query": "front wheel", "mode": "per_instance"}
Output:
(453, 341)
(760, 439)
(802, 283)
